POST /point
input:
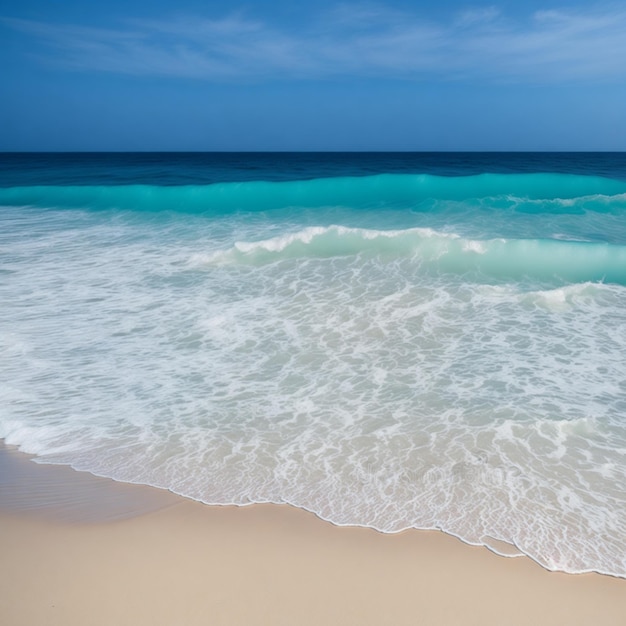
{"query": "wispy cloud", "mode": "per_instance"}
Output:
(352, 40)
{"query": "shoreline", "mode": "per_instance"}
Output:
(61, 493)
(172, 560)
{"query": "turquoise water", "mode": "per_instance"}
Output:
(405, 341)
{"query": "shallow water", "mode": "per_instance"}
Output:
(391, 350)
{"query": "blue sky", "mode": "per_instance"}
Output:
(192, 75)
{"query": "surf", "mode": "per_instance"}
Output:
(566, 193)
(547, 260)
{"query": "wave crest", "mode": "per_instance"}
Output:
(565, 193)
(538, 259)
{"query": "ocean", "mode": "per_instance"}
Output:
(405, 340)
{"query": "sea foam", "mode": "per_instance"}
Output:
(428, 364)
(546, 260)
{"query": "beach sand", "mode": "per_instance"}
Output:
(80, 550)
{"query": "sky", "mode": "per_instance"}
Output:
(281, 75)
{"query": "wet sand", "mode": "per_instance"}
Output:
(81, 550)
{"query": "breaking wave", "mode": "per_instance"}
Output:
(504, 259)
(566, 193)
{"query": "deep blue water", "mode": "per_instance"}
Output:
(197, 168)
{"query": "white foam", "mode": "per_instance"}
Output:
(475, 246)
(568, 296)
(355, 386)
(333, 241)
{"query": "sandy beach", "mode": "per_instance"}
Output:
(124, 554)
